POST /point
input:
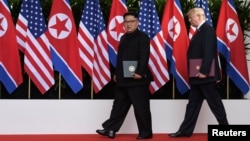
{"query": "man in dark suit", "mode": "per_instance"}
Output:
(134, 46)
(202, 46)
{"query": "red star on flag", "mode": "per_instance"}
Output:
(60, 26)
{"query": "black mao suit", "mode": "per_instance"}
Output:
(133, 46)
(203, 46)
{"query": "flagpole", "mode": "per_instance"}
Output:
(227, 87)
(173, 93)
(92, 96)
(29, 88)
(59, 86)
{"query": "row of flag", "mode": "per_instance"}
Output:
(57, 46)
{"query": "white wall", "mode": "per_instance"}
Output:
(85, 116)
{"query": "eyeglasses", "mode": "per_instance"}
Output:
(130, 22)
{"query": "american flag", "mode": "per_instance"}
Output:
(34, 43)
(10, 66)
(64, 44)
(177, 41)
(115, 28)
(204, 5)
(231, 45)
(150, 24)
(92, 39)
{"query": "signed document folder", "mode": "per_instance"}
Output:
(129, 68)
(194, 67)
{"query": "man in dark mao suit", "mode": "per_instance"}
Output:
(203, 46)
(134, 46)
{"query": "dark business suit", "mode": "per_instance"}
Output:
(129, 91)
(203, 45)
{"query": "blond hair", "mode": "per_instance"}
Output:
(199, 12)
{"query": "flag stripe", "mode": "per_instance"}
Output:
(21, 32)
(86, 52)
(37, 55)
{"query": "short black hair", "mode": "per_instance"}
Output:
(130, 13)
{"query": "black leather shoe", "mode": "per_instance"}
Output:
(144, 137)
(178, 134)
(109, 133)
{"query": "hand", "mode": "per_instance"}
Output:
(201, 75)
(137, 76)
(114, 78)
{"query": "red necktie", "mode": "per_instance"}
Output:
(195, 31)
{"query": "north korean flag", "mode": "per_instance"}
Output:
(231, 45)
(10, 66)
(115, 28)
(176, 43)
(64, 44)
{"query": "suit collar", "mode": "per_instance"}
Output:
(198, 27)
